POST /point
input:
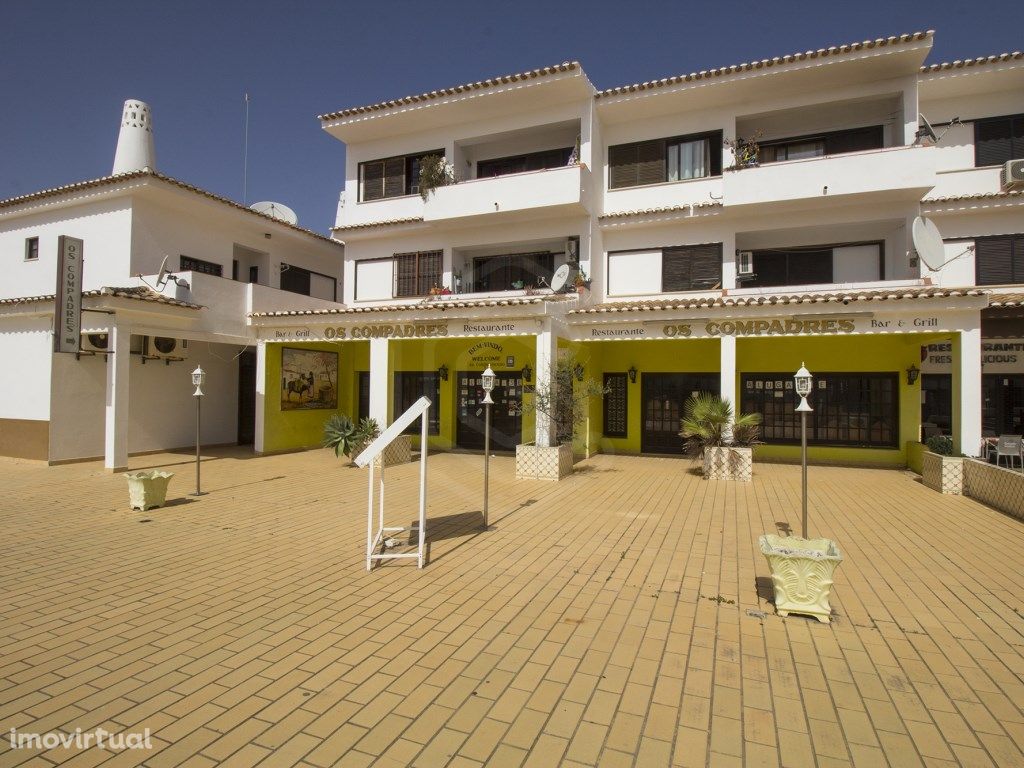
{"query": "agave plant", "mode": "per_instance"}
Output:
(708, 423)
(366, 432)
(340, 434)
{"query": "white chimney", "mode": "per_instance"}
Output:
(135, 141)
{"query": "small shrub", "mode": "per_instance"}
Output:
(940, 444)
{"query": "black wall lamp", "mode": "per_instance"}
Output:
(912, 373)
(632, 374)
(443, 372)
(527, 372)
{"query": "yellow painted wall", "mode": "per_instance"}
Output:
(659, 356)
(829, 355)
(301, 429)
(431, 354)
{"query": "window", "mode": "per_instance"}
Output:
(188, 264)
(614, 404)
(659, 160)
(691, 268)
(936, 404)
(504, 273)
(998, 139)
(31, 248)
(533, 161)
(410, 386)
(392, 176)
(306, 282)
(797, 266)
(999, 260)
(850, 409)
(1002, 404)
(417, 273)
(820, 145)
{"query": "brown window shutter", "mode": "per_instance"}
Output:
(373, 180)
(405, 274)
(394, 177)
(650, 167)
(429, 271)
(622, 166)
(691, 268)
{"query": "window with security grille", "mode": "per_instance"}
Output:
(850, 409)
(416, 273)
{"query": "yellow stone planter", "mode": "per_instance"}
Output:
(802, 572)
(147, 490)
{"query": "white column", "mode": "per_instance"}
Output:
(115, 449)
(729, 261)
(261, 394)
(547, 356)
(967, 371)
(379, 375)
(727, 369)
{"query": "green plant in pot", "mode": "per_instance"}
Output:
(348, 438)
(940, 444)
(724, 443)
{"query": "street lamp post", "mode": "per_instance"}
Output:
(198, 377)
(803, 381)
(487, 382)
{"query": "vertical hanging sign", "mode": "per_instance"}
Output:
(67, 316)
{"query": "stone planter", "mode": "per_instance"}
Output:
(538, 462)
(398, 451)
(802, 572)
(728, 463)
(944, 474)
(147, 490)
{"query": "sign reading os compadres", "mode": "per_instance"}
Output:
(67, 316)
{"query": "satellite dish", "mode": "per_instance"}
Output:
(928, 243)
(278, 211)
(161, 278)
(926, 131)
(560, 278)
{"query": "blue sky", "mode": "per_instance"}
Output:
(69, 66)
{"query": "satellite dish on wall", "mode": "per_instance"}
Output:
(278, 211)
(161, 278)
(928, 243)
(560, 278)
(925, 131)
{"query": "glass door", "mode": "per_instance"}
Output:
(506, 423)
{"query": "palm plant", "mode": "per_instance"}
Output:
(708, 423)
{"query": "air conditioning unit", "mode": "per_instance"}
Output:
(745, 263)
(1012, 176)
(165, 348)
(95, 342)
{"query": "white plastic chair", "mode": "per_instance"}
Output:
(1010, 447)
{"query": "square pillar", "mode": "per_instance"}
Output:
(261, 394)
(379, 371)
(967, 391)
(115, 434)
(727, 371)
(547, 358)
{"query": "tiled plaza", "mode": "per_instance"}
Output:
(618, 618)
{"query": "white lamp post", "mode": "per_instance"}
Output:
(487, 382)
(802, 381)
(198, 377)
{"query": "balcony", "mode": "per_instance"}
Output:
(553, 192)
(894, 174)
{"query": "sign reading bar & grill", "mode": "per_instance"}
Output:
(67, 316)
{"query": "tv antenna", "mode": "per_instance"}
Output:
(929, 246)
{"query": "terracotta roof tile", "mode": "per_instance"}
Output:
(438, 305)
(533, 74)
(382, 223)
(766, 63)
(837, 297)
(138, 293)
(964, 63)
(1006, 300)
(105, 181)
(1003, 195)
(654, 211)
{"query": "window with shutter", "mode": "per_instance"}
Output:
(691, 268)
(795, 266)
(998, 139)
(416, 273)
(647, 162)
(391, 176)
(999, 260)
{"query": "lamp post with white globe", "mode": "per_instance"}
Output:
(198, 377)
(802, 381)
(487, 382)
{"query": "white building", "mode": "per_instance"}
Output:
(708, 264)
(129, 391)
